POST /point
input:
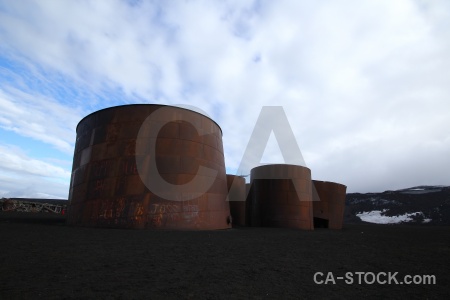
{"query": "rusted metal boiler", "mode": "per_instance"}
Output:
(328, 204)
(151, 167)
(280, 196)
(236, 198)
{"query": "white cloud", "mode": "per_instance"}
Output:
(39, 118)
(11, 159)
(22, 176)
(365, 84)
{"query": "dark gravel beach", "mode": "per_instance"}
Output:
(41, 257)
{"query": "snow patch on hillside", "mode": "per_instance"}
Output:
(376, 216)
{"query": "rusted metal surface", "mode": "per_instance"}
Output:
(236, 197)
(328, 204)
(248, 204)
(283, 202)
(109, 185)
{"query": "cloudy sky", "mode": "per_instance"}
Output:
(365, 85)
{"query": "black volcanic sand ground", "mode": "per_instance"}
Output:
(40, 257)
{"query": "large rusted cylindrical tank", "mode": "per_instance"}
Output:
(328, 204)
(148, 166)
(236, 197)
(281, 196)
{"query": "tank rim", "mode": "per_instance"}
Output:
(145, 104)
(290, 165)
(326, 181)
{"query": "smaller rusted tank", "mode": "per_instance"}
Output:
(281, 196)
(328, 204)
(236, 198)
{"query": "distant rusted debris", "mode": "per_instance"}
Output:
(8, 204)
